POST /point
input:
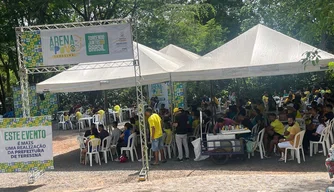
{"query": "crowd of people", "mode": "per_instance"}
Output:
(279, 117)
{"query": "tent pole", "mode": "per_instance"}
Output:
(106, 107)
(212, 102)
(171, 88)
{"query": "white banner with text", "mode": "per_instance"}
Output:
(87, 44)
(26, 144)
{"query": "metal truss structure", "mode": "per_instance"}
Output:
(24, 72)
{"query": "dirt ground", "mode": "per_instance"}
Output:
(248, 175)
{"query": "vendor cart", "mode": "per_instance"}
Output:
(220, 151)
(222, 146)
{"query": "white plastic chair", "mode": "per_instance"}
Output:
(331, 136)
(323, 141)
(130, 147)
(61, 122)
(96, 120)
(105, 148)
(297, 146)
(301, 123)
(259, 144)
(82, 146)
(120, 114)
(112, 113)
(170, 148)
(113, 146)
(80, 124)
(93, 146)
(255, 130)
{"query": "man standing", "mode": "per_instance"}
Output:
(154, 122)
(180, 122)
(290, 139)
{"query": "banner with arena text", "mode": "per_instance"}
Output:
(77, 45)
(26, 144)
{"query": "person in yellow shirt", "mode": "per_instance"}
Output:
(196, 121)
(215, 100)
(101, 114)
(289, 141)
(67, 119)
(78, 114)
(155, 124)
(265, 98)
(328, 90)
(272, 133)
(289, 99)
(117, 108)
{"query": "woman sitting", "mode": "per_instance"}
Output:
(123, 140)
(94, 134)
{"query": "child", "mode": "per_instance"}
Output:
(67, 120)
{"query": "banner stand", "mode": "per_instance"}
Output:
(26, 146)
(33, 175)
(29, 40)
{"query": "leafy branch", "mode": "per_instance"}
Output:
(311, 57)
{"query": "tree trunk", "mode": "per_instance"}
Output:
(2, 95)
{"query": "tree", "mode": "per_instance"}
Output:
(310, 21)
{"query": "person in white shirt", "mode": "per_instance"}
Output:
(319, 99)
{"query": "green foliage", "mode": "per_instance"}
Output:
(181, 25)
(311, 57)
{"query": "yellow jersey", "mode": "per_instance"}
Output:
(298, 114)
(101, 113)
(195, 123)
(155, 121)
(117, 108)
(278, 126)
(78, 115)
(265, 99)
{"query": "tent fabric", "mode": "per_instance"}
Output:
(179, 53)
(155, 68)
(260, 51)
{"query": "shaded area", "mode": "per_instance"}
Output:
(21, 188)
(70, 162)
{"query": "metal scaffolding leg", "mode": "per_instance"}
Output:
(24, 92)
(34, 174)
(23, 73)
(143, 175)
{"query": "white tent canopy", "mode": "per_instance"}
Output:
(179, 53)
(260, 51)
(155, 68)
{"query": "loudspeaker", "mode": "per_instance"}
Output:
(42, 97)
